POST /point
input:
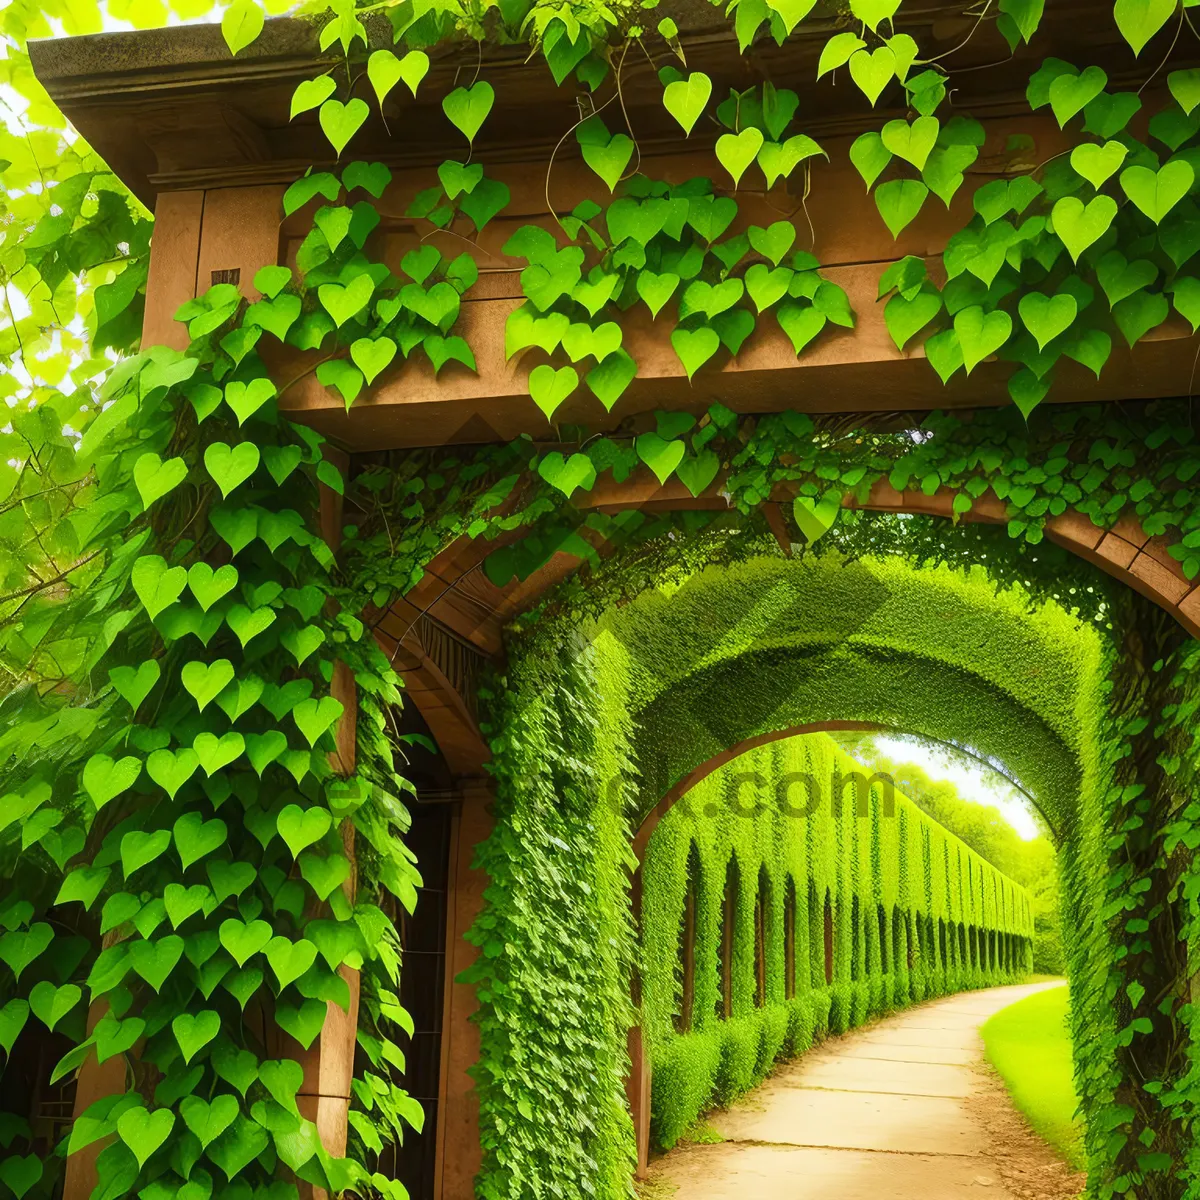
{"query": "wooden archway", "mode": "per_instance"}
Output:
(456, 594)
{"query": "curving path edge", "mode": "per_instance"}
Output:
(896, 1110)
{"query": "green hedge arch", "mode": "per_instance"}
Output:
(856, 908)
(595, 720)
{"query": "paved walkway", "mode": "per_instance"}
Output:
(894, 1111)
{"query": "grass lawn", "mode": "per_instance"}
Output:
(1030, 1045)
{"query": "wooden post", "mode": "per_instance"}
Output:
(637, 1088)
(95, 1081)
(459, 1153)
(324, 1095)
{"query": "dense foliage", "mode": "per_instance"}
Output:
(787, 644)
(180, 642)
(913, 914)
(984, 828)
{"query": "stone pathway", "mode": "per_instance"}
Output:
(899, 1110)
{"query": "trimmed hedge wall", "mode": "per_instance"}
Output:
(595, 718)
(900, 890)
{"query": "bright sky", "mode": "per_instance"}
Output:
(973, 780)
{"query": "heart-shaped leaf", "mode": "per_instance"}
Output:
(607, 156)
(467, 108)
(301, 643)
(343, 303)
(138, 848)
(157, 587)
(1136, 315)
(773, 242)
(698, 472)
(323, 874)
(134, 684)
(154, 961)
(767, 286)
(20, 1174)
(549, 388)
(104, 779)
(779, 160)
(659, 454)
(239, 1146)
(142, 1131)
(609, 378)
(247, 398)
(567, 474)
(656, 289)
(385, 70)
(183, 902)
(208, 1120)
(912, 143)
(816, 516)
(1078, 226)
(304, 1021)
(906, 317)
(801, 322)
(204, 682)
(239, 1068)
(172, 769)
(372, 356)
(195, 837)
(1120, 278)
(736, 151)
(1046, 316)
(837, 52)
(1098, 163)
(899, 201)
(301, 828)
(980, 333)
(310, 94)
(872, 12)
(1185, 87)
(289, 960)
(230, 466)
(1157, 192)
(244, 939)
(155, 478)
(694, 347)
(340, 122)
(241, 23)
(686, 99)
(194, 1031)
(50, 1004)
(1070, 94)
(208, 586)
(314, 717)
(873, 70)
(1140, 20)
(282, 1079)
(248, 623)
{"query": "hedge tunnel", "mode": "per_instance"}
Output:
(762, 929)
(599, 725)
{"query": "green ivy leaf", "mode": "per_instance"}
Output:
(686, 99)
(905, 317)
(1140, 20)
(1157, 192)
(899, 201)
(873, 70)
(311, 93)
(567, 474)
(241, 23)
(340, 122)
(468, 108)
